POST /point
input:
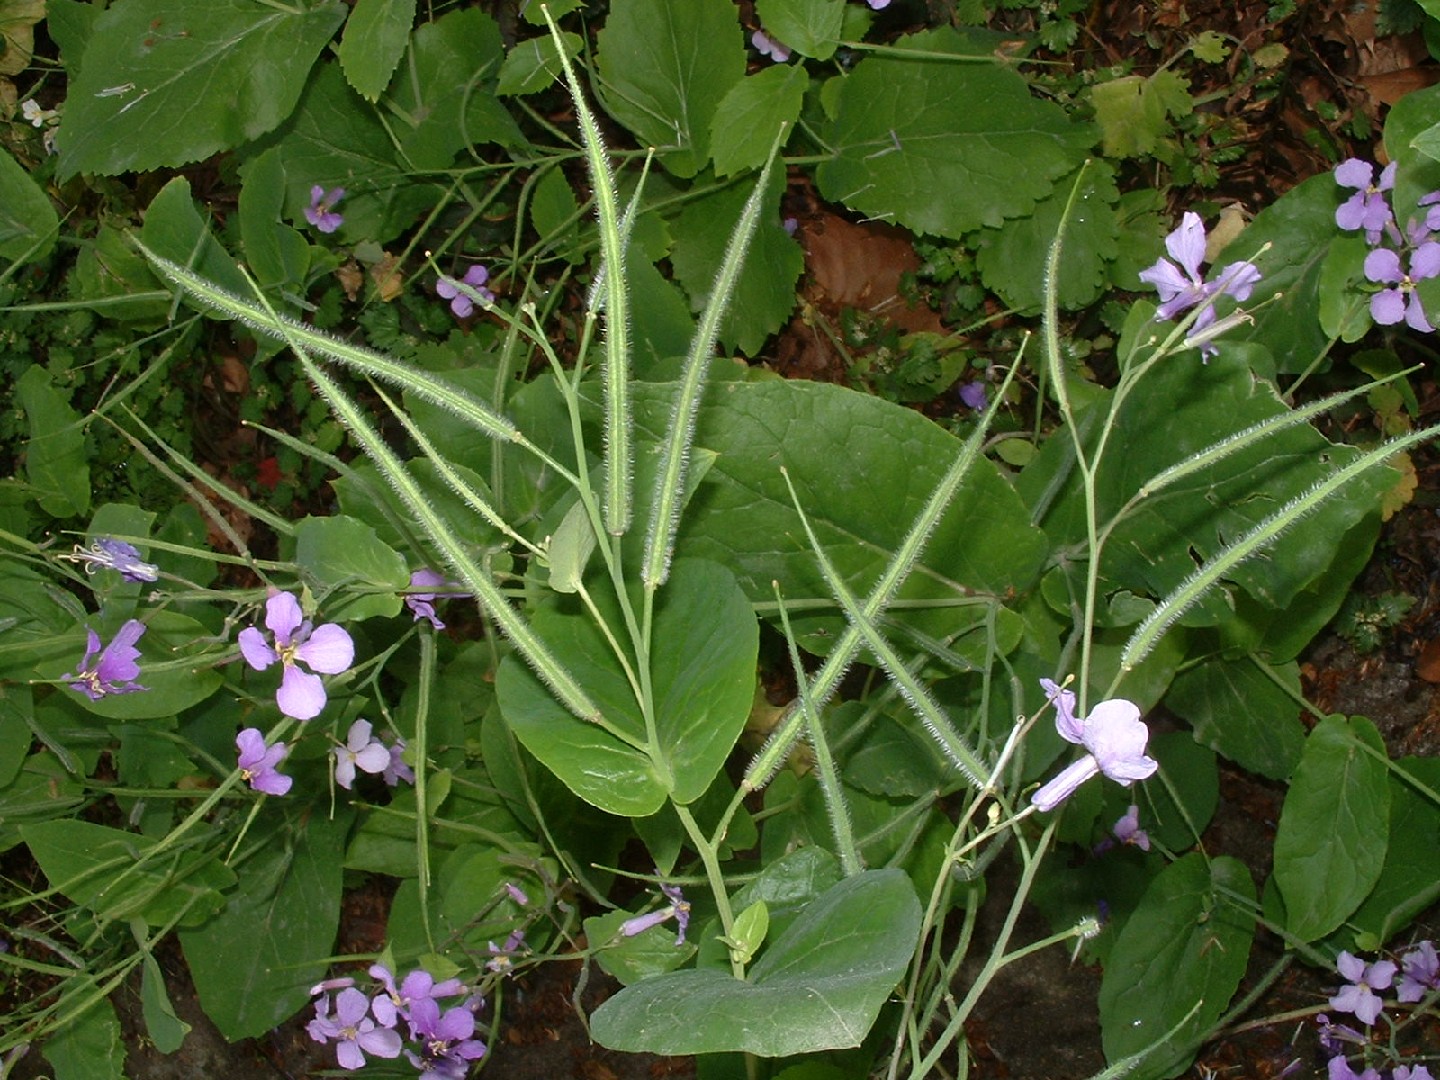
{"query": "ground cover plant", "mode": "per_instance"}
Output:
(595, 643)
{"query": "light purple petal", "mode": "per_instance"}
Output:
(1425, 261)
(283, 617)
(351, 1006)
(380, 1041)
(640, 923)
(1380, 974)
(330, 649)
(1383, 265)
(1116, 735)
(1354, 173)
(301, 695)
(256, 650)
(272, 782)
(1351, 213)
(1387, 177)
(1238, 279)
(1415, 315)
(1350, 966)
(476, 276)
(1065, 785)
(251, 745)
(1186, 244)
(374, 759)
(344, 767)
(358, 737)
(1070, 727)
(1388, 307)
(1167, 279)
(348, 1055)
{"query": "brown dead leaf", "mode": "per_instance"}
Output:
(389, 282)
(1427, 664)
(351, 278)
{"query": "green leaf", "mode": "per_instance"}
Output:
(703, 675)
(1407, 884)
(810, 27)
(750, 115)
(1344, 305)
(175, 230)
(56, 465)
(28, 223)
(439, 107)
(17, 33)
(1133, 111)
(1237, 709)
(171, 685)
(534, 65)
(166, 1030)
(765, 293)
(864, 469)
(95, 867)
(1330, 845)
(904, 152)
(344, 554)
(255, 961)
(167, 83)
(1299, 227)
(1012, 259)
(277, 254)
(335, 140)
(818, 987)
(88, 1047)
(1157, 545)
(1186, 944)
(376, 34)
(665, 68)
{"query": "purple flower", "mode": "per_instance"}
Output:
(319, 212)
(257, 762)
(446, 1045)
(414, 1000)
(422, 604)
(1432, 216)
(460, 303)
(1183, 287)
(1367, 209)
(360, 751)
(115, 555)
(1416, 1072)
(1333, 1037)
(1127, 830)
(116, 670)
(1339, 1069)
(326, 648)
(1390, 306)
(768, 46)
(678, 909)
(1419, 972)
(502, 957)
(397, 770)
(1359, 997)
(1115, 737)
(517, 894)
(878, 5)
(352, 1028)
(973, 394)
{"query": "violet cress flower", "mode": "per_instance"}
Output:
(326, 648)
(1114, 736)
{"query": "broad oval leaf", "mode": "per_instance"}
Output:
(703, 677)
(340, 551)
(665, 68)
(818, 987)
(906, 151)
(1186, 944)
(1330, 845)
(166, 82)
